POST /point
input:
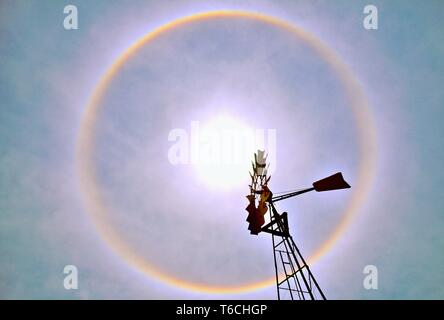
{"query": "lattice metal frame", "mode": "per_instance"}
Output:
(294, 279)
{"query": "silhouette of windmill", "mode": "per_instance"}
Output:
(294, 279)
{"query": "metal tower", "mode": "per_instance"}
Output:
(294, 279)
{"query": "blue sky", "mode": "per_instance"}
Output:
(48, 75)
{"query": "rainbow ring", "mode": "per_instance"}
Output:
(98, 210)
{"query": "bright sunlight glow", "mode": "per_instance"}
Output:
(226, 148)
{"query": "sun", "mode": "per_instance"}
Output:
(225, 150)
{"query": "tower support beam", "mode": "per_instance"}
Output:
(294, 279)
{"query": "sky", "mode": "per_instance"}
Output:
(134, 207)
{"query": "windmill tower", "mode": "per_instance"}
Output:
(294, 279)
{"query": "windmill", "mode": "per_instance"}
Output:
(294, 279)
